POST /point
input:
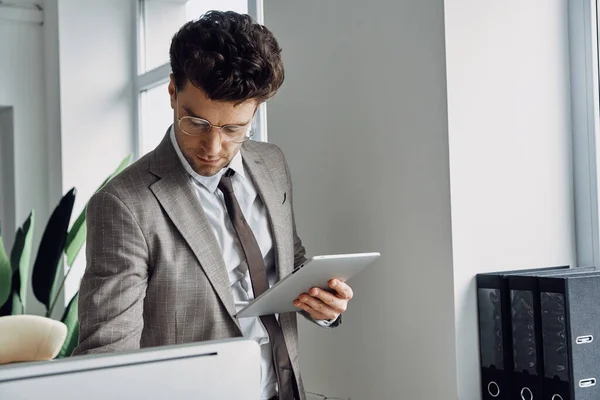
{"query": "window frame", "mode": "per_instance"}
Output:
(585, 100)
(144, 81)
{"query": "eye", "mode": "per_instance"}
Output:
(233, 129)
(195, 126)
(198, 123)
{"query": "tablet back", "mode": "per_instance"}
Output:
(315, 272)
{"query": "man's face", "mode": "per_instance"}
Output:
(207, 154)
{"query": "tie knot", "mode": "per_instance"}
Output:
(225, 182)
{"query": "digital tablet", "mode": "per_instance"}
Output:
(315, 272)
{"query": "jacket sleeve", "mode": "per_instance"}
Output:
(113, 287)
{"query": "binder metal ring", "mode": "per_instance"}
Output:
(526, 390)
(584, 339)
(494, 389)
(585, 383)
(557, 397)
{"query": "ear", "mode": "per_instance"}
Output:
(172, 92)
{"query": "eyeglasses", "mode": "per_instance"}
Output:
(193, 126)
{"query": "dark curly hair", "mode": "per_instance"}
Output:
(229, 56)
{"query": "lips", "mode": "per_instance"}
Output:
(208, 161)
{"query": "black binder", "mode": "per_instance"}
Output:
(526, 330)
(495, 335)
(528, 362)
(570, 313)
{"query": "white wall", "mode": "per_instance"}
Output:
(22, 87)
(509, 128)
(96, 96)
(72, 127)
(362, 118)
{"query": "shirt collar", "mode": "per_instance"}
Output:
(209, 182)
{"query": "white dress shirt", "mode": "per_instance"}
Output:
(255, 214)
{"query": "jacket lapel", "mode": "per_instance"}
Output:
(176, 195)
(272, 198)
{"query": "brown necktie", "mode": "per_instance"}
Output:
(260, 283)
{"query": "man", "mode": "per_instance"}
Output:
(187, 235)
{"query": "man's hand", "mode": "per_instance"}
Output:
(324, 305)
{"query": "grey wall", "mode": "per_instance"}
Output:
(510, 146)
(52, 103)
(362, 118)
(7, 177)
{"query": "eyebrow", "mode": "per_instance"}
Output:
(194, 115)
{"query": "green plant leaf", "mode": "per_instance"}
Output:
(5, 274)
(70, 319)
(25, 261)
(7, 308)
(20, 260)
(20, 257)
(13, 306)
(124, 163)
(16, 306)
(76, 238)
(51, 249)
(57, 286)
(77, 234)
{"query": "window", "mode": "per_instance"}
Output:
(156, 114)
(162, 18)
(158, 20)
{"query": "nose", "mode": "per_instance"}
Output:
(212, 142)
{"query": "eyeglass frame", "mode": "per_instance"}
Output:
(211, 126)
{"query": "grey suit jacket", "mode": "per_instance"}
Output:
(155, 273)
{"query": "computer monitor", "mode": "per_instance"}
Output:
(219, 370)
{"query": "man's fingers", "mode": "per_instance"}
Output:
(323, 305)
(343, 290)
(330, 299)
(319, 307)
(313, 313)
